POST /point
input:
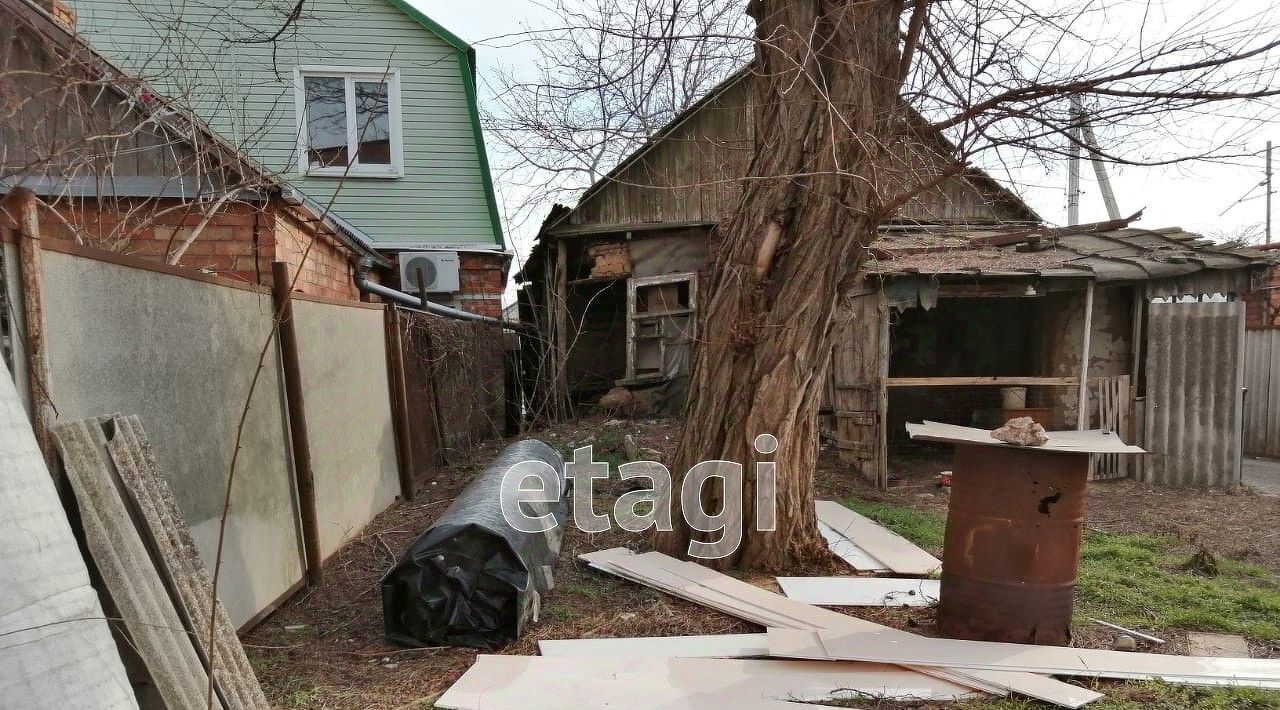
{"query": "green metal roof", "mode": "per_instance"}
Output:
(467, 63)
(418, 16)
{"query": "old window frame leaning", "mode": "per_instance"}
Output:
(635, 318)
(350, 76)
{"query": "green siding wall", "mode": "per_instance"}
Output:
(214, 55)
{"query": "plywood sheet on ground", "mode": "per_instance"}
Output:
(1063, 442)
(1220, 645)
(497, 682)
(885, 647)
(844, 548)
(708, 646)
(891, 550)
(746, 601)
(861, 591)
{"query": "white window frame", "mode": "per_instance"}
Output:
(635, 318)
(391, 76)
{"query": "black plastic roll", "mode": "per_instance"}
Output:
(471, 579)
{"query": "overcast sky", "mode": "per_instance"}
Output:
(1190, 195)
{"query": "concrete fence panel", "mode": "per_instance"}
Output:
(343, 362)
(180, 352)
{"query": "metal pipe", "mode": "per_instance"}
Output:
(366, 286)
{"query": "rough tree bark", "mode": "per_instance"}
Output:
(825, 101)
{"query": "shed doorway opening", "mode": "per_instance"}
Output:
(963, 340)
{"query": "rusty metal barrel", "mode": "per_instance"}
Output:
(1012, 544)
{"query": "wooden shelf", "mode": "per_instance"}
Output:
(982, 381)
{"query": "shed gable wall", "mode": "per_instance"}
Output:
(693, 174)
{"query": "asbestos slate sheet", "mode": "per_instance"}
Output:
(131, 578)
(179, 562)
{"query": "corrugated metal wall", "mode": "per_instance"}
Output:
(1262, 403)
(1194, 396)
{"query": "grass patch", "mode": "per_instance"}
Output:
(1136, 580)
(578, 596)
(921, 527)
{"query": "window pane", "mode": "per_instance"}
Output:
(326, 120)
(373, 123)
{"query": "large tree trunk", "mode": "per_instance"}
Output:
(825, 102)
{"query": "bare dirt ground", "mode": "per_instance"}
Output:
(324, 648)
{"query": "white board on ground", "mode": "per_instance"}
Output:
(885, 647)
(861, 591)
(710, 646)
(845, 549)
(56, 650)
(498, 682)
(751, 603)
(894, 552)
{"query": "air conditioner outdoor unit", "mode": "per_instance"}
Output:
(439, 271)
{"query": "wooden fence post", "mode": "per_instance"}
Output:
(399, 401)
(297, 416)
(21, 203)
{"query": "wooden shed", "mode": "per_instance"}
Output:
(1141, 330)
(613, 282)
(969, 309)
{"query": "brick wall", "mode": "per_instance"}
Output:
(482, 277)
(327, 270)
(1262, 307)
(235, 243)
(239, 242)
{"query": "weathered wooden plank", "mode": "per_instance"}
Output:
(978, 381)
(1262, 404)
(692, 171)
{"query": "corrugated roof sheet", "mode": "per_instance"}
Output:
(1117, 255)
